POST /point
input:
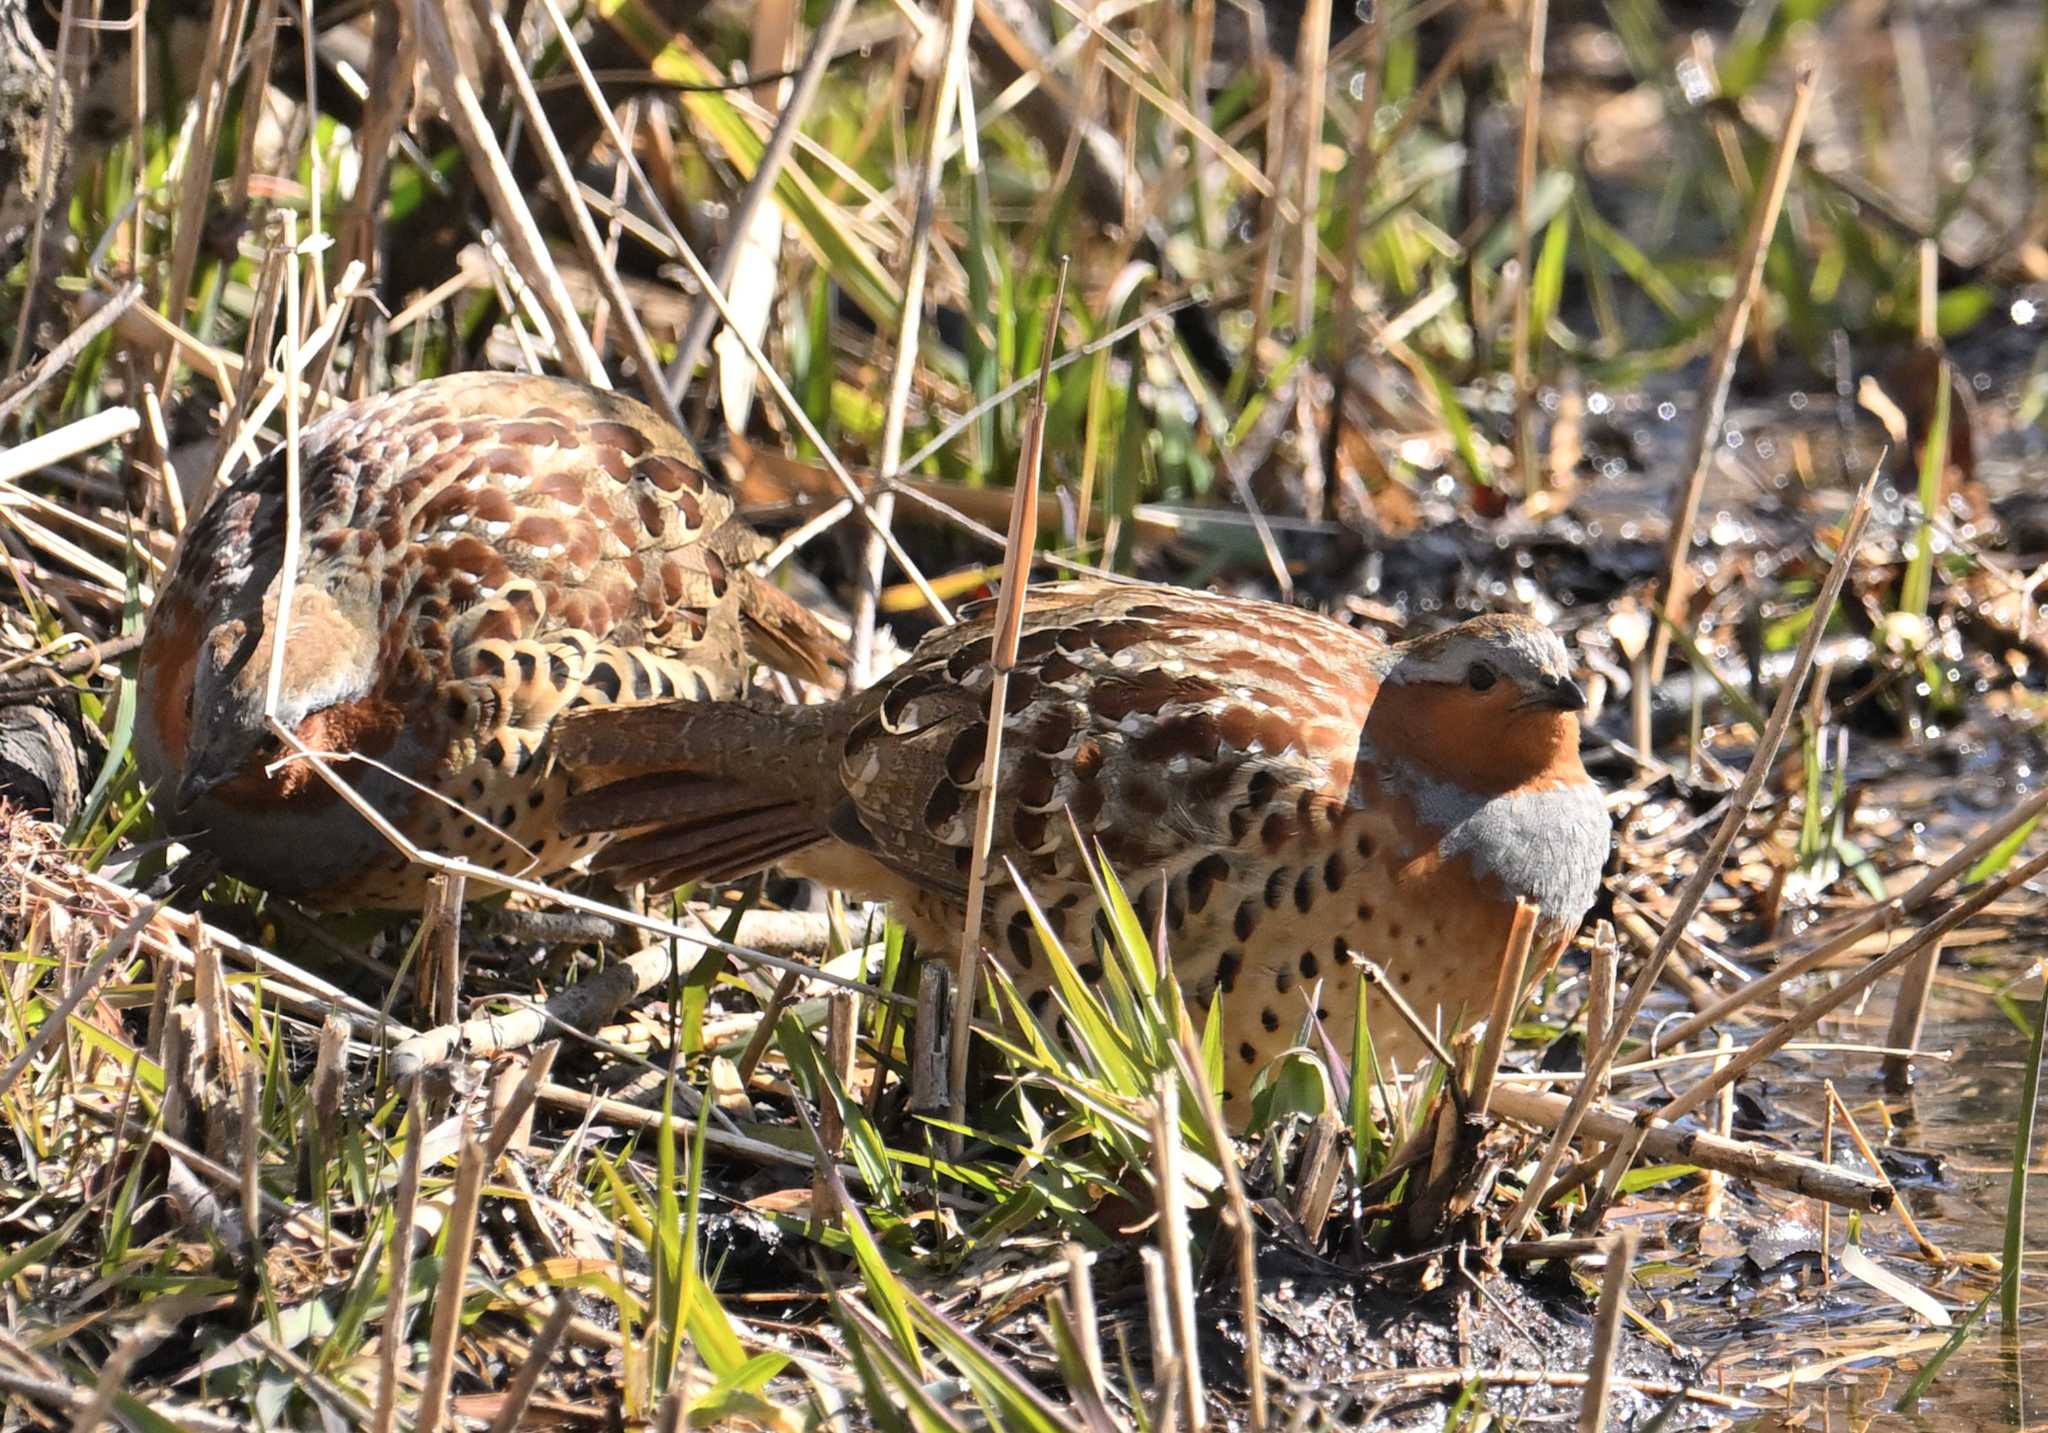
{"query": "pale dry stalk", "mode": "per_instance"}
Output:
(917, 265)
(1706, 430)
(1536, 18)
(1621, 1254)
(1009, 623)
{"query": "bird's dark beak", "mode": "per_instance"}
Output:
(195, 783)
(1563, 694)
(1558, 694)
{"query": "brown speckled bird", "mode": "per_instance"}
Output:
(1293, 794)
(480, 554)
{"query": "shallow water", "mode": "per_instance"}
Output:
(1749, 1293)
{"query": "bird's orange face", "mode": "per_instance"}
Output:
(1487, 743)
(1489, 707)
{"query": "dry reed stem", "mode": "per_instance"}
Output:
(764, 1032)
(154, 456)
(515, 1111)
(570, 197)
(1087, 1328)
(1176, 1244)
(440, 974)
(495, 180)
(1507, 998)
(842, 1017)
(106, 426)
(1621, 1253)
(1724, 1126)
(1601, 973)
(255, 92)
(330, 1078)
(1668, 1143)
(781, 140)
(1161, 1324)
(1361, 168)
(1909, 1016)
(1875, 918)
(1008, 625)
(930, 1059)
(1237, 1213)
(250, 1120)
(1827, 1211)
(1708, 869)
(394, 50)
(398, 1264)
(1927, 1246)
(1536, 20)
(917, 264)
(458, 1238)
(25, 384)
(1313, 61)
(1706, 429)
(1372, 974)
(519, 1392)
(1315, 1186)
(195, 177)
(798, 416)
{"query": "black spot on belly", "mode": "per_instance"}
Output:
(1246, 921)
(1283, 981)
(1246, 1053)
(1268, 1019)
(1305, 891)
(1276, 887)
(1309, 965)
(1019, 932)
(1365, 846)
(1333, 873)
(1226, 969)
(1203, 878)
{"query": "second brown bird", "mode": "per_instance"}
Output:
(1291, 795)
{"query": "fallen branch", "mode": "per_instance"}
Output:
(1669, 1144)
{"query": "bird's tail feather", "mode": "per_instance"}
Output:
(698, 791)
(787, 635)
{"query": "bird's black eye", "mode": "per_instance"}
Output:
(1480, 676)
